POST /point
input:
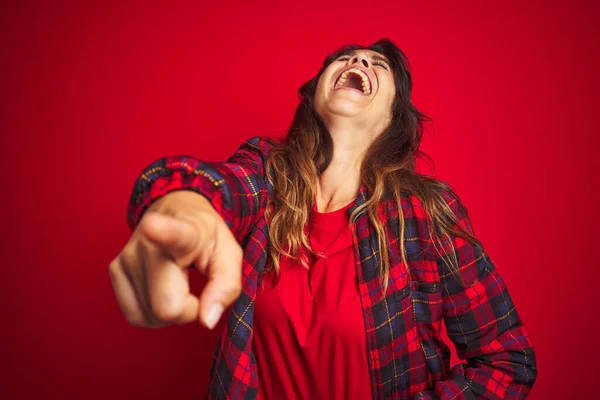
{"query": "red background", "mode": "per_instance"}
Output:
(93, 92)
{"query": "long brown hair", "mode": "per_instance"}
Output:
(387, 170)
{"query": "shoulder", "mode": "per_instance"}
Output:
(439, 197)
(254, 152)
(451, 199)
(434, 207)
(262, 144)
(430, 193)
(455, 213)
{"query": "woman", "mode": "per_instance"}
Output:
(329, 303)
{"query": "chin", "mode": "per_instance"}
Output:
(344, 108)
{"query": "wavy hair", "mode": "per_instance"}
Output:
(387, 170)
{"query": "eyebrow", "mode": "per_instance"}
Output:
(374, 57)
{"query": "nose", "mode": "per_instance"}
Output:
(360, 59)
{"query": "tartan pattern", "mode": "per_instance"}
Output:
(407, 358)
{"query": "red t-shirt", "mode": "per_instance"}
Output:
(309, 334)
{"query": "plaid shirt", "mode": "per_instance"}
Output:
(406, 356)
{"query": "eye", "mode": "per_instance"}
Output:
(380, 64)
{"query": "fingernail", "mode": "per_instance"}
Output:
(214, 313)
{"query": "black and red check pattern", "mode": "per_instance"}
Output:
(407, 357)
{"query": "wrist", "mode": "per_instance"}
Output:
(177, 200)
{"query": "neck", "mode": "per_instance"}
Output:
(338, 185)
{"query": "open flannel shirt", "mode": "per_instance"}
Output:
(406, 356)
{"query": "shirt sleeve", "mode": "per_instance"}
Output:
(236, 188)
(483, 323)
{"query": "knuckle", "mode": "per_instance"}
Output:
(232, 291)
(128, 255)
(141, 230)
(166, 308)
(202, 264)
(137, 248)
(207, 218)
(137, 320)
(141, 254)
(113, 269)
(203, 221)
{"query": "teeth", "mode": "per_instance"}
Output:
(365, 80)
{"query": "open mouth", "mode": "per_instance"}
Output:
(354, 78)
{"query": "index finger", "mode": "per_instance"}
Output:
(179, 237)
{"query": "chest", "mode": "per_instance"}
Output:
(401, 325)
(317, 300)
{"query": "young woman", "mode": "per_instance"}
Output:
(336, 262)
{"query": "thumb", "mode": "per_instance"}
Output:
(177, 236)
(190, 310)
(224, 274)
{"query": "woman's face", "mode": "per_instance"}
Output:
(358, 85)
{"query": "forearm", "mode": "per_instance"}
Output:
(504, 369)
(236, 188)
(482, 322)
(177, 200)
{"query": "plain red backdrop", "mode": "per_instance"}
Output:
(93, 92)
